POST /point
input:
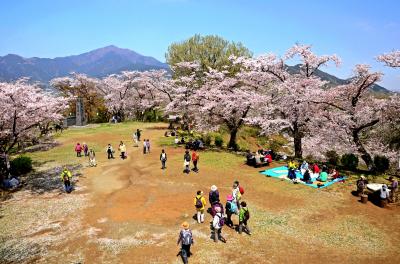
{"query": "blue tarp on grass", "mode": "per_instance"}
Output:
(282, 172)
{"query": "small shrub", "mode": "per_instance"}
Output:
(332, 157)
(381, 163)
(207, 139)
(349, 161)
(20, 165)
(218, 141)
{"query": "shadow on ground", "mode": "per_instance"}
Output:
(48, 180)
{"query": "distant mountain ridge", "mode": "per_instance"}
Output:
(97, 63)
(335, 81)
(104, 61)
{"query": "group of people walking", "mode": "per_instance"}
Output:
(194, 158)
(87, 152)
(221, 216)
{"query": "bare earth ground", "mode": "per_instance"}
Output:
(130, 211)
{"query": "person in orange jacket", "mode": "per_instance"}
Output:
(195, 159)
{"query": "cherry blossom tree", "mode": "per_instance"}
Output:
(183, 89)
(23, 107)
(132, 93)
(391, 59)
(353, 113)
(290, 108)
(226, 99)
(80, 86)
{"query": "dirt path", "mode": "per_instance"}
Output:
(133, 213)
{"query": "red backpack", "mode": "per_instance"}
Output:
(241, 190)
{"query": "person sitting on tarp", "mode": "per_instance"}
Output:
(334, 174)
(323, 176)
(304, 167)
(307, 177)
(268, 158)
(257, 157)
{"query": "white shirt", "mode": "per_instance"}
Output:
(216, 220)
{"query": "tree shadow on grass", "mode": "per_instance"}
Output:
(48, 180)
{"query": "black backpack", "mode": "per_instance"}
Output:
(246, 214)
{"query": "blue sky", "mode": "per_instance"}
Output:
(356, 30)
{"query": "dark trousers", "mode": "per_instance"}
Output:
(110, 155)
(229, 218)
(243, 226)
(195, 165)
(291, 174)
(163, 164)
(67, 185)
(123, 155)
(78, 154)
(185, 253)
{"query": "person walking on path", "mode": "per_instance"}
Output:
(218, 223)
(144, 146)
(186, 162)
(78, 150)
(110, 152)
(122, 149)
(200, 204)
(236, 194)
(163, 158)
(148, 145)
(92, 158)
(230, 209)
(138, 134)
(394, 187)
(213, 196)
(66, 178)
(185, 240)
(244, 216)
(135, 140)
(85, 149)
(195, 159)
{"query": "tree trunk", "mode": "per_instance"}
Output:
(297, 136)
(366, 157)
(232, 140)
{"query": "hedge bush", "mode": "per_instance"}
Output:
(349, 161)
(218, 141)
(381, 163)
(20, 165)
(207, 139)
(332, 157)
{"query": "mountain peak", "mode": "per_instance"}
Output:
(98, 63)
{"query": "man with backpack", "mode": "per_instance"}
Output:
(186, 240)
(200, 204)
(110, 152)
(163, 158)
(244, 216)
(195, 159)
(213, 196)
(218, 223)
(66, 178)
(186, 162)
(236, 195)
(230, 208)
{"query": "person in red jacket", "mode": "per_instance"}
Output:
(268, 158)
(195, 159)
(316, 168)
(78, 150)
